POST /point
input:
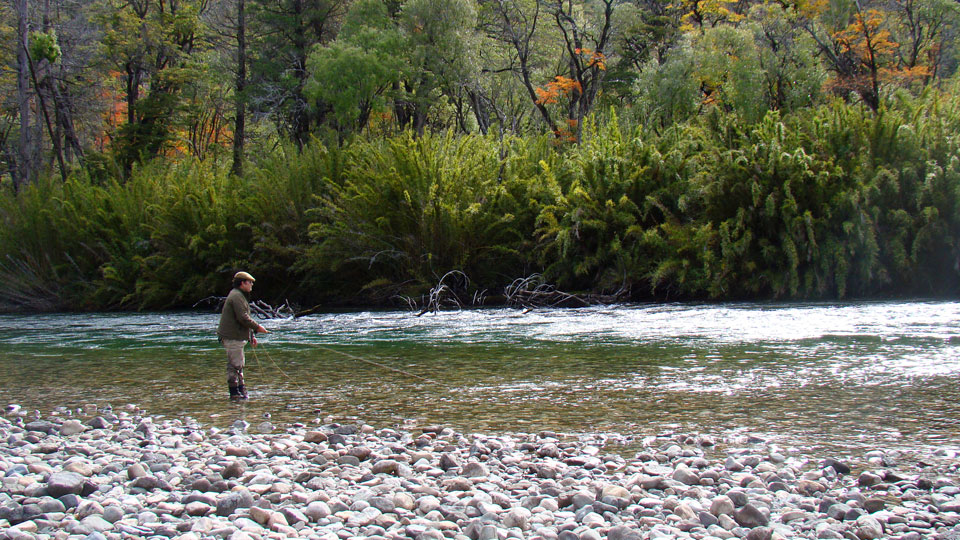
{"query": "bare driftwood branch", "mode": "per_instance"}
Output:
(266, 311)
(446, 295)
(450, 291)
(532, 292)
(259, 308)
(528, 293)
(215, 301)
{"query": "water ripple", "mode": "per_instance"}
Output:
(850, 375)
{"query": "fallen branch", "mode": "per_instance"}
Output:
(532, 292)
(259, 308)
(444, 294)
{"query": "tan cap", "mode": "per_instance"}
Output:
(244, 276)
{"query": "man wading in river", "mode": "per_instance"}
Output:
(236, 328)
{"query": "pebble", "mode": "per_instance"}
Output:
(125, 474)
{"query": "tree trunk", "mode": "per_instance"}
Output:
(479, 111)
(301, 115)
(241, 118)
(65, 121)
(54, 137)
(25, 171)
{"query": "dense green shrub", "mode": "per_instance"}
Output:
(829, 202)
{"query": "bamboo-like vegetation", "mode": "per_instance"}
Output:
(827, 202)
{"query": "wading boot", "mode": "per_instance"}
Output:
(234, 392)
(242, 391)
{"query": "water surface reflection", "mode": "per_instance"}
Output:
(840, 377)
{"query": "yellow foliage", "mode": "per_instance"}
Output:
(811, 9)
(696, 13)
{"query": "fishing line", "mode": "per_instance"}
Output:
(407, 373)
(276, 365)
(342, 396)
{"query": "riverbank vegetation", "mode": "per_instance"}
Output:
(691, 151)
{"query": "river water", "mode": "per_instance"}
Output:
(818, 378)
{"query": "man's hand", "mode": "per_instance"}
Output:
(262, 330)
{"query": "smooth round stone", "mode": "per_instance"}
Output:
(17, 470)
(197, 509)
(71, 427)
(147, 517)
(234, 469)
(38, 468)
(352, 461)
(99, 423)
(382, 504)
(722, 505)
(404, 501)
(707, 519)
(385, 466)
(838, 511)
(592, 519)
(294, 516)
(590, 534)
(96, 523)
(518, 518)
(35, 490)
(615, 491)
(65, 483)
(868, 528)
(317, 510)
(738, 497)
(489, 532)
(474, 470)
(684, 475)
(50, 505)
(137, 470)
(428, 503)
(89, 508)
(549, 505)
(113, 513)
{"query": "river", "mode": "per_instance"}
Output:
(816, 377)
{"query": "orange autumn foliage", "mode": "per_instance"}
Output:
(566, 134)
(560, 86)
(594, 58)
(865, 36)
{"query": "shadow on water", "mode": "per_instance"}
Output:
(816, 377)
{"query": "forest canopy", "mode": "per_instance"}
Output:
(356, 151)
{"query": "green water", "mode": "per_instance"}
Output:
(817, 377)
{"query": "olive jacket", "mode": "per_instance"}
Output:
(235, 320)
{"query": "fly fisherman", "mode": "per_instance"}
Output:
(236, 329)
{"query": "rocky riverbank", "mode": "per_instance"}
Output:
(124, 474)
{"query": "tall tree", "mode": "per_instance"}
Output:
(151, 43)
(439, 38)
(287, 31)
(352, 74)
(924, 30)
(518, 23)
(240, 120)
(587, 30)
(855, 38)
(43, 53)
(25, 170)
(563, 75)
